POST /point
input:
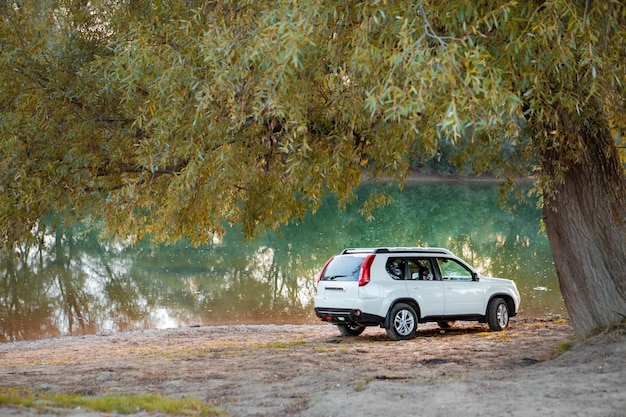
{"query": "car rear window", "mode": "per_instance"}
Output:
(344, 268)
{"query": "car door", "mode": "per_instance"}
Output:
(389, 278)
(424, 287)
(463, 295)
(338, 285)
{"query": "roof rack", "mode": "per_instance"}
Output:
(398, 249)
(358, 250)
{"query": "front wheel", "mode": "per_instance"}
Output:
(402, 322)
(350, 329)
(498, 314)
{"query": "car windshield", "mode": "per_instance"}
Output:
(344, 268)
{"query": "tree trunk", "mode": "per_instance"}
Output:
(586, 225)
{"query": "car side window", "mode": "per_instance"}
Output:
(396, 268)
(451, 270)
(420, 269)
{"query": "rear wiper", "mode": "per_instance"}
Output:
(334, 277)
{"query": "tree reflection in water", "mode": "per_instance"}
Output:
(76, 284)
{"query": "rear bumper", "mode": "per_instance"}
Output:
(347, 315)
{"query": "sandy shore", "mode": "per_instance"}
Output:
(310, 370)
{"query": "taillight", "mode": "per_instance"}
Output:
(319, 277)
(364, 276)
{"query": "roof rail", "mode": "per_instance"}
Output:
(397, 250)
(358, 250)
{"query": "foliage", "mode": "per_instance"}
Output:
(177, 117)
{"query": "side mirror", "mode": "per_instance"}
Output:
(475, 277)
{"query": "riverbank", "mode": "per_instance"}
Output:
(309, 370)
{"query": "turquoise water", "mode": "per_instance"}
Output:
(78, 285)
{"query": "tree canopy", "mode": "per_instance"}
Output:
(174, 118)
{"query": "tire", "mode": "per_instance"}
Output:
(350, 329)
(498, 314)
(445, 324)
(402, 322)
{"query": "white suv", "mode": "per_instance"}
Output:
(396, 288)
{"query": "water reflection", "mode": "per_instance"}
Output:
(76, 284)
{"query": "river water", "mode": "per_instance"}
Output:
(80, 285)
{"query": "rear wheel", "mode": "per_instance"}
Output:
(402, 322)
(498, 314)
(350, 329)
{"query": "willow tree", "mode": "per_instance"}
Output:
(176, 118)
